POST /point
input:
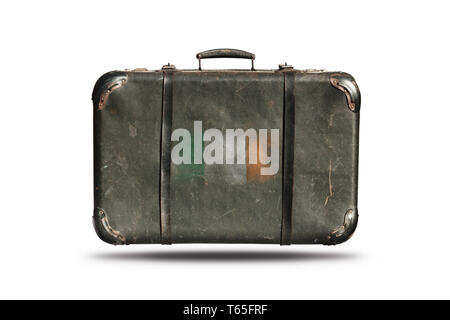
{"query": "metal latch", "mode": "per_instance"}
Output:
(285, 66)
(168, 66)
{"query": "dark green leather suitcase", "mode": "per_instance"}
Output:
(225, 156)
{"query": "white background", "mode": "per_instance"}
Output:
(51, 54)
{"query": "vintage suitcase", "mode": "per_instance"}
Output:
(225, 156)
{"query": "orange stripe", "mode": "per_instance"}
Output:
(254, 170)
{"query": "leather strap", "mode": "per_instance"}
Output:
(288, 156)
(166, 131)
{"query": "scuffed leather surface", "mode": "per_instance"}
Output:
(209, 204)
(215, 205)
(326, 153)
(126, 164)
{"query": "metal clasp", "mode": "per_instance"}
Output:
(168, 66)
(285, 66)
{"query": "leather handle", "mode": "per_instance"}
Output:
(225, 53)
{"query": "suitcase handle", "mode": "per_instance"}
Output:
(225, 53)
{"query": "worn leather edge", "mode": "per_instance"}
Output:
(347, 84)
(104, 230)
(344, 232)
(106, 84)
